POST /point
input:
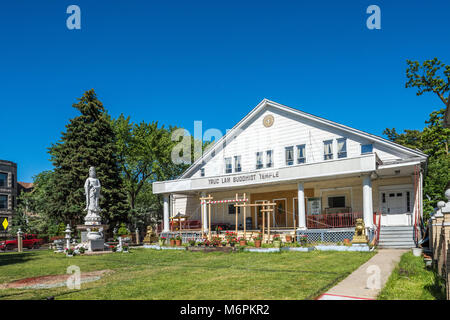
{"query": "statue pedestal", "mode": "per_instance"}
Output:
(93, 236)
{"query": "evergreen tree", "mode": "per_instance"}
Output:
(89, 140)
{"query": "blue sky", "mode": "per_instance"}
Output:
(180, 61)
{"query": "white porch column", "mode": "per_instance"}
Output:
(301, 206)
(166, 227)
(205, 214)
(367, 201)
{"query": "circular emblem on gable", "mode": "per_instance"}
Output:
(268, 120)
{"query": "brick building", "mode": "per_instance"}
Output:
(8, 192)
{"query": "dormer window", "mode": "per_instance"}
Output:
(342, 148)
(237, 164)
(328, 150)
(301, 154)
(269, 159)
(259, 160)
(289, 152)
(228, 165)
(366, 148)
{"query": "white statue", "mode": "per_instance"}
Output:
(92, 188)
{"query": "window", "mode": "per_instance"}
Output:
(336, 202)
(328, 150)
(228, 165)
(289, 156)
(342, 148)
(3, 179)
(3, 202)
(202, 172)
(232, 209)
(259, 160)
(269, 160)
(237, 164)
(301, 154)
(366, 148)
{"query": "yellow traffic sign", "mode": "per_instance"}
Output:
(5, 223)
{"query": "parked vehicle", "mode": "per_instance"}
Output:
(29, 241)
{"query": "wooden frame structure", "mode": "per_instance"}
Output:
(268, 208)
(209, 200)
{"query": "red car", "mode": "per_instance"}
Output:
(29, 241)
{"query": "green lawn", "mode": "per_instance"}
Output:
(170, 274)
(411, 280)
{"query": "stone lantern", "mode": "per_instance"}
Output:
(67, 236)
(19, 241)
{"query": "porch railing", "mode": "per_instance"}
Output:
(332, 220)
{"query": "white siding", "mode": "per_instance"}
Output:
(287, 130)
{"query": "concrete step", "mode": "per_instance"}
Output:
(396, 247)
(397, 228)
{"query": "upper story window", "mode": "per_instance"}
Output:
(228, 165)
(366, 148)
(289, 152)
(259, 160)
(3, 201)
(237, 164)
(3, 179)
(269, 159)
(328, 150)
(342, 147)
(301, 153)
(202, 172)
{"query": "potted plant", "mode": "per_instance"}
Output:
(303, 240)
(258, 239)
(69, 252)
(276, 241)
(113, 248)
(288, 238)
(161, 241)
(81, 250)
(178, 241)
(242, 241)
(191, 242)
(172, 241)
(125, 248)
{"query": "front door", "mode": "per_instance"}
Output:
(396, 208)
(258, 214)
(280, 213)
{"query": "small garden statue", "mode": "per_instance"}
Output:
(360, 236)
(150, 236)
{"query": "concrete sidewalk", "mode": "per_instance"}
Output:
(367, 281)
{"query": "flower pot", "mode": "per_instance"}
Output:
(277, 243)
(417, 251)
(242, 242)
(258, 243)
(172, 243)
(289, 238)
(178, 243)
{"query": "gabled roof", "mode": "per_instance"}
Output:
(268, 103)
